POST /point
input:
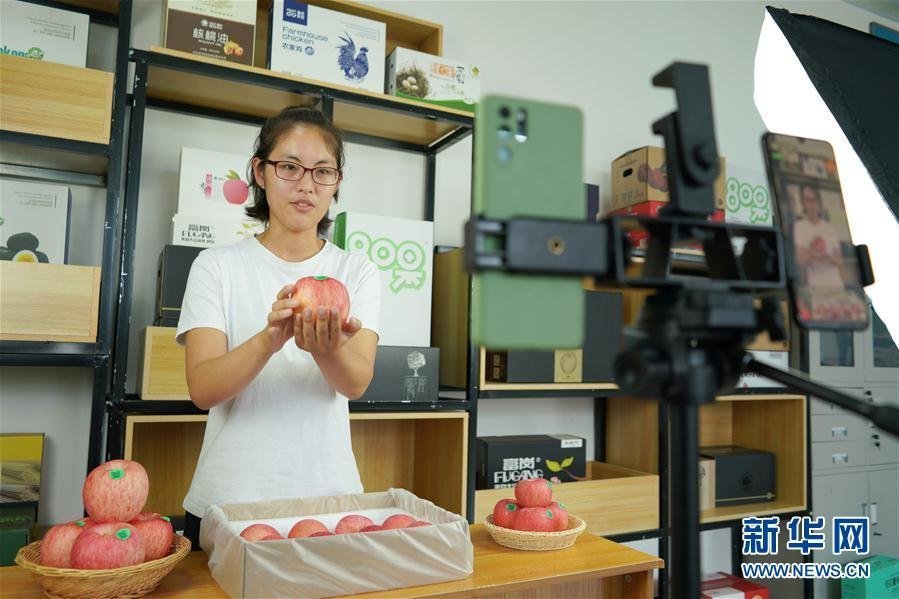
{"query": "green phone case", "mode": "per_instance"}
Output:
(540, 175)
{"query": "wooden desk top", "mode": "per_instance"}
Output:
(496, 569)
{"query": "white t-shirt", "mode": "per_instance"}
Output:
(288, 433)
(823, 236)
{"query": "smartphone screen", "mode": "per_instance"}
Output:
(822, 265)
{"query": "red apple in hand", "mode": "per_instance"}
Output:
(105, 546)
(534, 492)
(157, 533)
(321, 291)
(116, 491)
(56, 546)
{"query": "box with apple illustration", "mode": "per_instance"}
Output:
(213, 184)
(437, 548)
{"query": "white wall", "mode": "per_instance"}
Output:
(599, 56)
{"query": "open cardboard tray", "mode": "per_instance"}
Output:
(334, 565)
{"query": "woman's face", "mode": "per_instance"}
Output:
(811, 205)
(297, 205)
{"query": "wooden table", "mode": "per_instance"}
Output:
(592, 569)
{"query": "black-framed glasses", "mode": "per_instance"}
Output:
(293, 171)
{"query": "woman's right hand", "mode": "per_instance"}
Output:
(280, 320)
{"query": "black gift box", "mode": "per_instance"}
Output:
(503, 461)
(601, 335)
(171, 279)
(520, 366)
(741, 475)
(405, 374)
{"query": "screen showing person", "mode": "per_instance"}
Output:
(826, 289)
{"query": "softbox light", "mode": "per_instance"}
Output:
(817, 79)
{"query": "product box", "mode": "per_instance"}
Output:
(594, 362)
(222, 29)
(316, 43)
(403, 250)
(171, 280)
(641, 176)
(213, 184)
(345, 564)
(34, 221)
(204, 231)
(741, 475)
(706, 484)
(593, 203)
(43, 33)
(433, 79)
(778, 359)
(882, 584)
(748, 201)
(405, 374)
(503, 461)
(725, 586)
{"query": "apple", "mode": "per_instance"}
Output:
(418, 523)
(235, 190)
(321, 291)
(352, 523)
(322, 533)
(397, 521)
(115, 491)
(108, 545)
(504, 512)
(272, 537)
(256, 532)
(305, 528)
(534, 492)
(560, 515)
(56, 546)
(534, 519)
(372, 528)
(157, 533)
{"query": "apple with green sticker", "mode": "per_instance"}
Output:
(534, 492)
(116, 491)
(156, 532)
(504, 512)
(109, 545)
(321, 291)
(56, 546)
(534, 519)
(560, 515)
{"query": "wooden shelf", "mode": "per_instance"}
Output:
(770, 422)
(55, 100)
(615, 500)
(205, 83)
(424, 452)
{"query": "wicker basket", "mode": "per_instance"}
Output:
(124, 583)
(536, 541)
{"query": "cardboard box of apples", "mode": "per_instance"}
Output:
(117, 551)
(533, 521)
(340, 545)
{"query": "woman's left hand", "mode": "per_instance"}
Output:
(321, 332)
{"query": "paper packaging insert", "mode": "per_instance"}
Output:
(343, 564)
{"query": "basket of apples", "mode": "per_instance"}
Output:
(118, 551)
(533, 521)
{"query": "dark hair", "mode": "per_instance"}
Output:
(272, 131)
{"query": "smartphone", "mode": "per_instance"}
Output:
(822, 266)
(528, 162)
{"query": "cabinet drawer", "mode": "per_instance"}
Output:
(56, 100)
(162, 374)
(839, 427)
(49, 302)
(838, 454)
(883, 448)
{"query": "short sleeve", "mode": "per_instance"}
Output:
(365, 302)
(203, 304)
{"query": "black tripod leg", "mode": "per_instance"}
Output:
(684, 564)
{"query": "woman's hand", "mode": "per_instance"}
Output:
(280, 326)
(321, 332)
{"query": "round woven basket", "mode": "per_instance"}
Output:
(536, 541)
(123, 583)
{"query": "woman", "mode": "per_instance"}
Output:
(277, 386)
